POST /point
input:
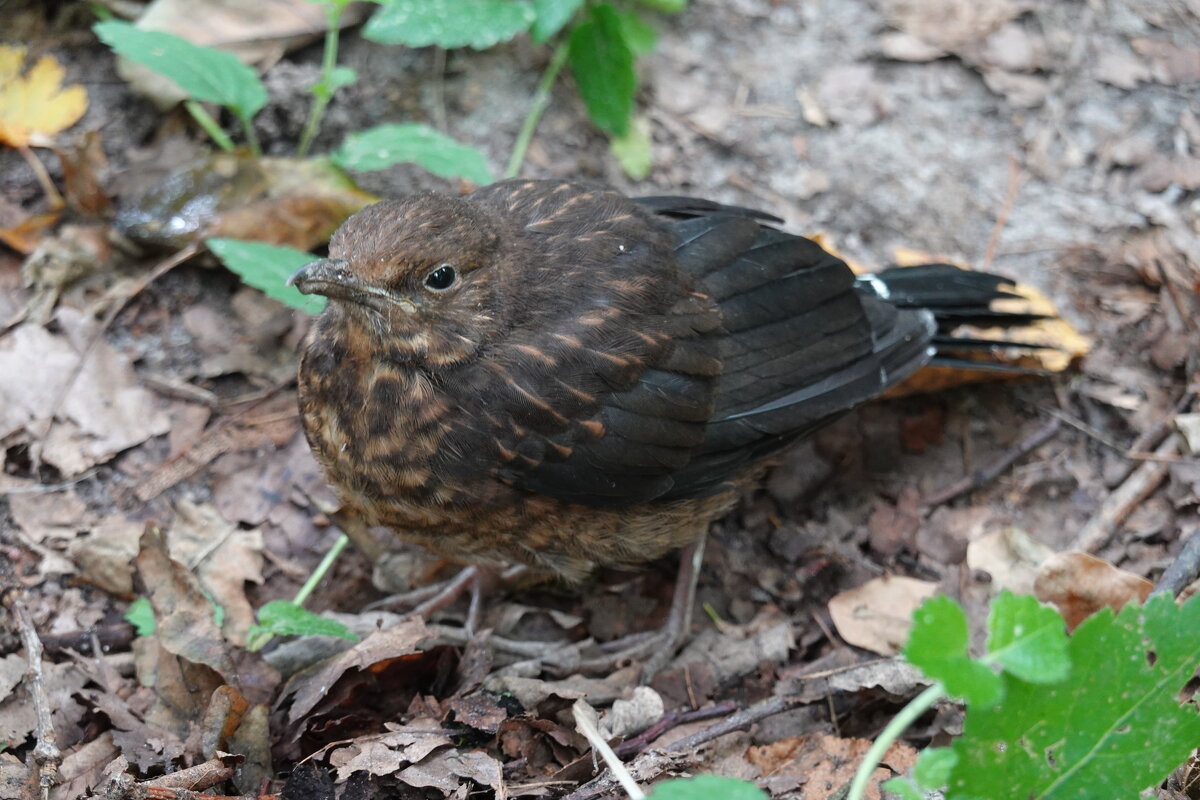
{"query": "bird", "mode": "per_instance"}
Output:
(552, 374)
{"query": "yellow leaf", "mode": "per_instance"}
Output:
(36, 103)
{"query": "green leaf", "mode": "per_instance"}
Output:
(706, 787)
(632, 150)
(284, 618)
(140, 615)
(1027, 639)
(342, 75)
(1115, 728)
(551, 16)
(602, 64)
(384, 145)
(666, 6)
(267, 267)
(640, 37)
(932, 770)
(904, 788)
(449, 23)
(938, 645)
(203, 73)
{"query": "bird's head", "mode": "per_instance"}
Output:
(417, 275)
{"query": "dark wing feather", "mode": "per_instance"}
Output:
(740, 339)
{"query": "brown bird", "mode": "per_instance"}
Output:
(553, 374)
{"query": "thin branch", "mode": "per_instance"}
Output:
(45, 752)
(985, 475)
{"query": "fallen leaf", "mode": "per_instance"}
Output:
(848, 94)
(633, 715)
(820, 763)
(1011, 557)
(1170, 63)
(445, 770)
(1080, 584)
(105, 412)
(1122, 69)
(311, 687)
(1188, 426)
(877, 615)
(949, 24)
(224, 559)
(35, 105)
(105, 555)
(385, 753)
(1021, 91)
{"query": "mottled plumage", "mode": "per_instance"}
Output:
(551, 373)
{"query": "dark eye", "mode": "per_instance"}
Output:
(441, 278)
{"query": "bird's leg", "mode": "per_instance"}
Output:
(660, 644)
(478, 581)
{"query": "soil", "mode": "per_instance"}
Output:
(803, 109)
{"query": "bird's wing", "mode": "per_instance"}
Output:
(701, 341)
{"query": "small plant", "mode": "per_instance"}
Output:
(1095, 714)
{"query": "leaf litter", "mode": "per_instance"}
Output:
(233, 488)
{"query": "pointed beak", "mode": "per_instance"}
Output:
(332, 277)
(327, 276)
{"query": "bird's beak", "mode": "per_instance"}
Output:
(331, 277)
(327, 276)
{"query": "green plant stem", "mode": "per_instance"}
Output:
(251, 136)
(259, 640)
(323, 91)
(205, 120)
(907, 716)
(541, 99)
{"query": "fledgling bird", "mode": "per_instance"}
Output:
(553, 374)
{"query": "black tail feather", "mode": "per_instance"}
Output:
(958, 297)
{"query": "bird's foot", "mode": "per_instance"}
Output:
(428, 600)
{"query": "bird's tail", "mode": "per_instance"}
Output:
(985, 323)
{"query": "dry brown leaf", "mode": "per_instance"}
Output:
(1170, 63)
(877, 615)
(105, 555)
(815, 766)
(949, 24)
(386, 753)
(26, 235)
(224, 558)
(445, 770)
(1080, 584)
(35, 105)
(311, 686)
(1011, 557)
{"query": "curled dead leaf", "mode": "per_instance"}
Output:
(1080, 584)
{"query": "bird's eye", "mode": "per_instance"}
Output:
(441, 278)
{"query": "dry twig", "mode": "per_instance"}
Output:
(985, 475)
(1121, 502)
(45, 753)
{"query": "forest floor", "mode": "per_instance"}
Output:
(1055, 142)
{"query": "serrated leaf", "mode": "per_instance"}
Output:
(706, 787)
(932, 770)
(267, 268)
(384, 145)
(284, 618)
(1027, 639)
(937, 645)
(1115, 728)
(449, 23)
(550, 16)
(632, 150)
(640, 37)
(140, 615)
(203, 73)
(35, 103)
(602, 64)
